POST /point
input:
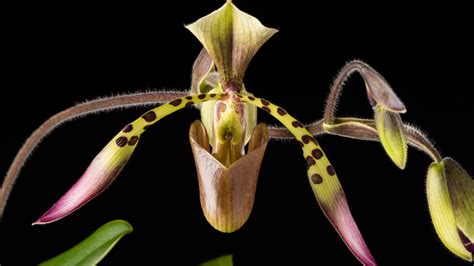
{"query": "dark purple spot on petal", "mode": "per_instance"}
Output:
(317, 153)
(307, 138)
(466, 242)
(133, 140)
(331, 170)
(212, 95)
(121, 141)
(296, 124)
(300, 143)
(264, 102)
(281, 111)
(316, 179)
(127, 128)
(310, 161)
(240, 96)
(251, 98)
(176, 102)
(266, 109)
(201, 96)
(189, 97)
(189, 103)
(150, 116)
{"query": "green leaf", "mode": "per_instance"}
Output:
(392, 135)
(94, 248)
(221, 261)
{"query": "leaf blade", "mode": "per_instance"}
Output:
(220, 261)
(94, 248)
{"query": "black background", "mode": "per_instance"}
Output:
(55, 56)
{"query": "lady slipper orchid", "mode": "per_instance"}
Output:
(228, 145)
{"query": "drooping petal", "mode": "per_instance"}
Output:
(109, 162)
(232, 38)
(78, 110)
(392, 135)
(227, 193)
(323, 180)
(98, 176)
(441, 210)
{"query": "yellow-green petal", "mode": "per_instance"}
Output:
(441, 210)
(392, 135)
(323, 180)
(109, 162)
(232, 38)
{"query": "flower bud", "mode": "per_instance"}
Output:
(392, 135)
(450, 192)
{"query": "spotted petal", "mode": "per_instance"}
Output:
(109, 162)
(323, 179)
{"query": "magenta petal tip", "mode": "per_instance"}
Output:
(99, 175)
(345, 225)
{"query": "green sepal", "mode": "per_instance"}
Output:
(392, 135)
(231, 37)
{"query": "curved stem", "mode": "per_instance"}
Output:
(336, 88)
(420, 141)
(361, 129)
(82, 109)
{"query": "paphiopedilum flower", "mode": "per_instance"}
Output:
(228, 171)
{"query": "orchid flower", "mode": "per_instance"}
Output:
(228, 145)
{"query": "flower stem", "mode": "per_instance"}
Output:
(336, 88)
(361, 129)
